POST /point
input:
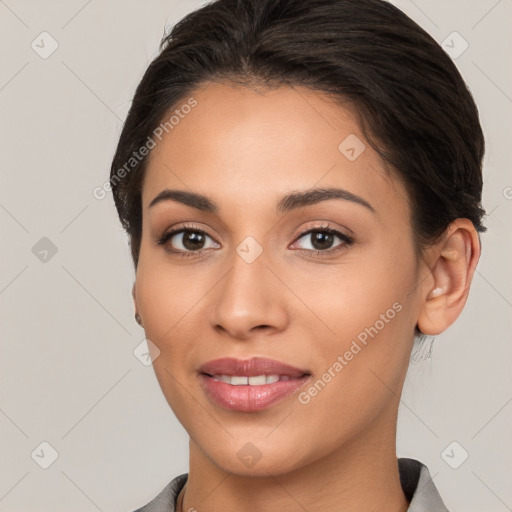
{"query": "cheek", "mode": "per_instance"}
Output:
(366, 291)
(365, 327)
(166, 294)
(362, 363)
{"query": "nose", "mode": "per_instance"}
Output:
(250, 298)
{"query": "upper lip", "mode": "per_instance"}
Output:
(250, 367)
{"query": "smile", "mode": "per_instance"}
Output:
(250, 385)
(257, 380)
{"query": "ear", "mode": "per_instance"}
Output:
(452, 265)
(134, 298)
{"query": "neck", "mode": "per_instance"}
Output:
(362, 475)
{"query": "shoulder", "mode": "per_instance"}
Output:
(165, 501)
(418, 487)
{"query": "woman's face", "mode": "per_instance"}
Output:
(266, 280)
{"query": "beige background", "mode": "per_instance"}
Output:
(68, 374)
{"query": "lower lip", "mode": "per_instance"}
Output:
(249, 398)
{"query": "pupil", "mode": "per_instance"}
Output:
(322, 240)
(193, 240)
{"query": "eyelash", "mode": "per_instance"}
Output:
(348, 240)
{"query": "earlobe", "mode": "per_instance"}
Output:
(137, 316)
(452, 269)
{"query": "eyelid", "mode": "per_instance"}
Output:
(325, 227)
(344, 237)
(175, 230)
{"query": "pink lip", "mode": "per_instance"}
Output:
(250, 367)
(247, 398)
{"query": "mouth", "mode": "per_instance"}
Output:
(254, 380)
(250, 385)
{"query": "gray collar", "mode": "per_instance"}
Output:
(414, 477)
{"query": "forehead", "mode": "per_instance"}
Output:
(245, 148)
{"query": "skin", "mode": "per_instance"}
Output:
(245, 149)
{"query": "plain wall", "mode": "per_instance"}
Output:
(68, 374)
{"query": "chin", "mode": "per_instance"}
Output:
(257, 459)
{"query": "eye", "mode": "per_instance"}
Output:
(321, 239)
(186, 241)
(192, 241)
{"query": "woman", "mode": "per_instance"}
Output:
(300, 181)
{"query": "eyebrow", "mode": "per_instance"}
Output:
(286, 204)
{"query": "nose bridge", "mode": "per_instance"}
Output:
(249, 295)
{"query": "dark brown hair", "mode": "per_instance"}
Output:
(413, 105)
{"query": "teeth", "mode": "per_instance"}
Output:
(239, 381)
(257, 380)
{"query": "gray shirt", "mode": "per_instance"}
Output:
(415, 478)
